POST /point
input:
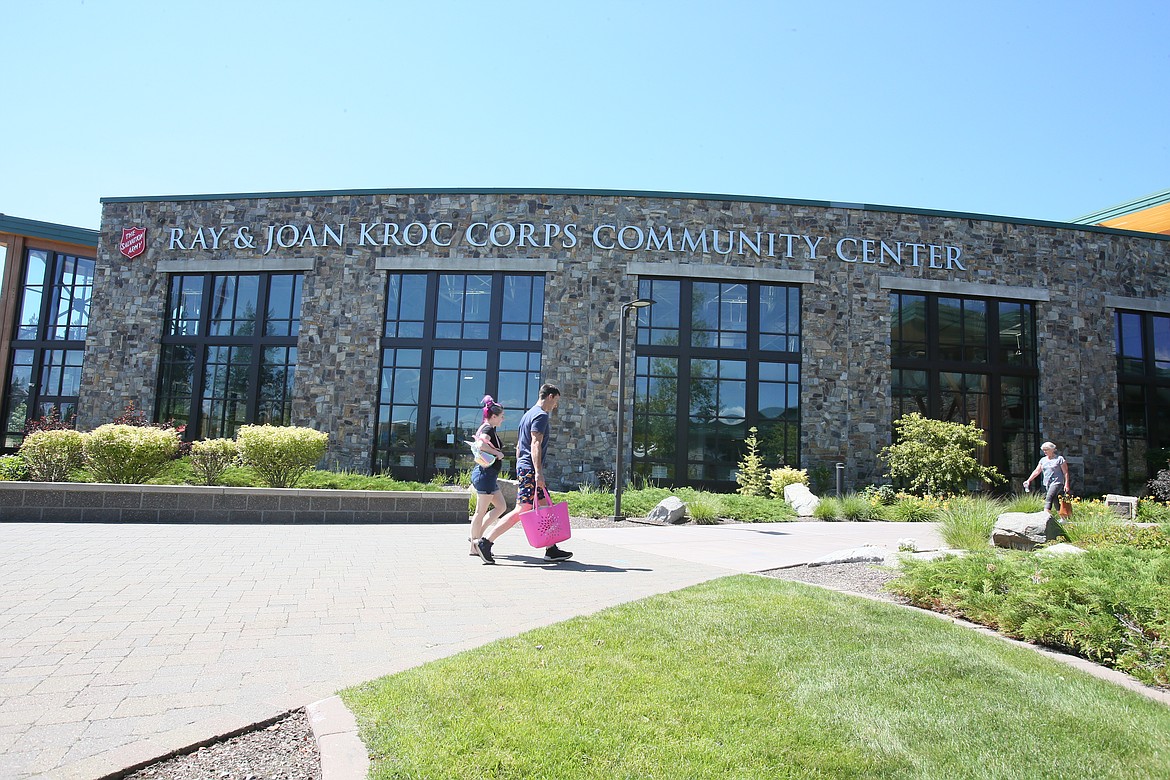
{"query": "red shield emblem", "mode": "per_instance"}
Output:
(133, 241)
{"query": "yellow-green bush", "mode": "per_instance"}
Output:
(12, 468)
(51, 455)
(279, 455)
(780, 478)
(211, 458)
(128, 454)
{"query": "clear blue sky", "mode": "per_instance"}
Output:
(1041, 110)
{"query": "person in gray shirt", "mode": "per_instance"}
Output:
(1055, 470)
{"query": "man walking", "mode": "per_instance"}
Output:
(531, 449)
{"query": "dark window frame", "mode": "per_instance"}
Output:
(926, 358)
(1140, 374)
(417, 460)
(46, 342)
(680, 465)
(258, 341)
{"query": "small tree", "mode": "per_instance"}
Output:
(280, 454)
(752, 476)
(51, 454)
(936, 457)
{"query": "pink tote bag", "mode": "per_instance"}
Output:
(546, 525)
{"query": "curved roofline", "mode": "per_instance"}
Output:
(50, 231)
(636, 194)
(1129, 207)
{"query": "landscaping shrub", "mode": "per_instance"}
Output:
(936, 457)
(829, 509)
(966, 521)
(280, 455)
(780, 478)
(588, 502)
(856, 507)
(50, 454)
(881, 494)
(1141, 537)
(1107, 604)
(703, 510)
(1159, 487)
(128, 454)
(1149, 511)
(751, 475)
(12, 468)
(1088, 519)
(913, 509)
(1025, 502)
(753, 508)
(211, 458)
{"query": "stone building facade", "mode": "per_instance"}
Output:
(593, 250)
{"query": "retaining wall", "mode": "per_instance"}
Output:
(68, 502)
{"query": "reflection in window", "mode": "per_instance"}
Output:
(464, 306)
(484, 337)
(1142, 342)
(44, 365)
(969, 360)
(719, 315)
(705, 372)
(659, 324)
(220, 366)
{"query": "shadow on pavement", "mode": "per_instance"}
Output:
(569, 565)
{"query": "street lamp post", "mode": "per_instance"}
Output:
(619, 474)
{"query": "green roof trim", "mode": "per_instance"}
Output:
(638, 194)
(1121, 210)
(49, 231)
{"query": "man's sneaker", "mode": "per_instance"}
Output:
(483, 548)
(555, 553)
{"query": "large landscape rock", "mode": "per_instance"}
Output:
(1024, 530)
(800, 498)
(670, 511)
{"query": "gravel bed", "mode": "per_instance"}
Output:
(286, 750)
(866, 579)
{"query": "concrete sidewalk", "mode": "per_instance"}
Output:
(747, 547)
(122, 643)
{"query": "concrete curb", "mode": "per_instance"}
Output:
(343, 755)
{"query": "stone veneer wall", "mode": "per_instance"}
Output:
(845, 392)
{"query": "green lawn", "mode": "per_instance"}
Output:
(750, 677)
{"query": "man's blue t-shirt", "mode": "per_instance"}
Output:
(535, 419)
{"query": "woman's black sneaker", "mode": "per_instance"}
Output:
(555, 553)
(484, 548)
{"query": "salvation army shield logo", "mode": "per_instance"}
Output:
(133, 241)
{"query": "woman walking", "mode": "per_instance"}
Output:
(484, 478)
(1055, 470)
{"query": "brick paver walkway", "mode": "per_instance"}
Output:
(119, 643)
